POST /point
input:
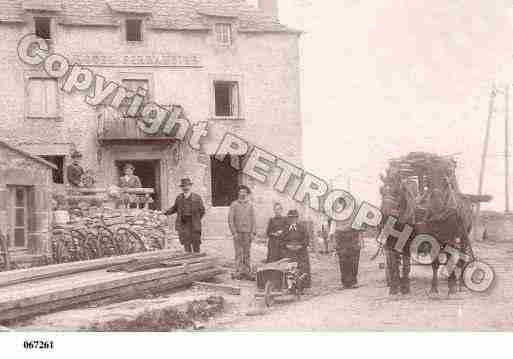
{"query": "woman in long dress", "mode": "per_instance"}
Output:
(275, 229)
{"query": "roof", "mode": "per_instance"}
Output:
(28, 155)
(163, 14)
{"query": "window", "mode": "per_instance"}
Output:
(19, 217)
(43, 27)
(226, 99)
(223, 34)
(133, 30)
(42, 97)
(58, 174)
(225, 181)
(133, 85)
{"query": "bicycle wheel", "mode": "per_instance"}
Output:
(130, 240)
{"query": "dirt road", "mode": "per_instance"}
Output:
(370, 308)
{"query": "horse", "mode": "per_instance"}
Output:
(448, 219)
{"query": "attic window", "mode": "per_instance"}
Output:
(133, 30)
(223, 33)
(43, 27)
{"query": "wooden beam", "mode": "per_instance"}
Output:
(23, 296)
(121, 293)
(218, 287)
(57, 270)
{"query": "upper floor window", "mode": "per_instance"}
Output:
(226, 99)
(133, 30)
(43, 27)
(223, 33)
(42, 98)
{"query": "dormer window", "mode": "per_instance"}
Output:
(223, 33)
(133, 30)
(43, 27)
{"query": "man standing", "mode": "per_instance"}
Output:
(241, 220)
(74, 172)
(189, 211)
(348, 250)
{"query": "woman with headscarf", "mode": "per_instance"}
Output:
(275, 229)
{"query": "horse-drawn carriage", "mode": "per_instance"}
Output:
(421, 190)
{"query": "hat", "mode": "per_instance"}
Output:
(129, 165)
(293, 213)
(243, 187)
(76, 154)
(185, 182)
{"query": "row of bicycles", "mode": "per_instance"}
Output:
(96, 238)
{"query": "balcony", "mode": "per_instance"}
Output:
(115, 128)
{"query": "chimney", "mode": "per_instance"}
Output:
(270, 7)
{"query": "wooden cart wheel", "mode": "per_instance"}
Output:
(268, 294)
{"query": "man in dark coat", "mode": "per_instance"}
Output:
(190, 210)
(295, 245)
(348, 249)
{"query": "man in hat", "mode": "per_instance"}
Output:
(295, 246)
(242, 222)
(189, 211)
(74, 172)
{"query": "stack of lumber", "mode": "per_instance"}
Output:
(33, 291)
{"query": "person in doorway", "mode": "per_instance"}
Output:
(242, 222)
(74, 172)
(275, 229)
(189, 211)
(129, 180)
(295, 246)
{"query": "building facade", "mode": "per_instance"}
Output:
(25, 213)
(225, 62)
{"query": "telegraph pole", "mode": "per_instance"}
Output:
(506, 147)
(483, 157)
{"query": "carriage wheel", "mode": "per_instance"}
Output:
(268, 294)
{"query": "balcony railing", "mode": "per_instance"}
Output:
(123, 198)
(113, 126)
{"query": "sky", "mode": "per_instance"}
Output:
(382, 78)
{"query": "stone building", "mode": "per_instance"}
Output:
(225, 61)
(25, 186)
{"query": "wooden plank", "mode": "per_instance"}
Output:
(124, 293)
(218, 287)
(91, 281)
(74, 289)
(55, 270)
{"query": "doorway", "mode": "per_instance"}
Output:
(225, 180)
(148, 172)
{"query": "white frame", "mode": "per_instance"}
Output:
(241, 103)
(39, 75)
(143, 30)
(13, 209)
